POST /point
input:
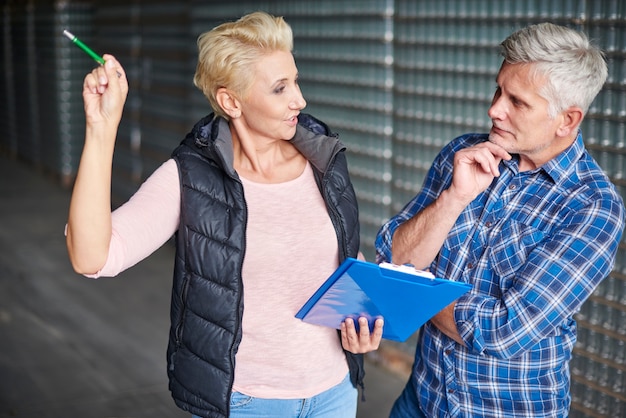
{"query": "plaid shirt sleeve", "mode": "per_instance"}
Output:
(558, 275)
(438, 179)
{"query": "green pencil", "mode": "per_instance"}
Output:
(84, 47)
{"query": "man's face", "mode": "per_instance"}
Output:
(521, 123)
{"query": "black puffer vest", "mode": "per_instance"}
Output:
(207, 300)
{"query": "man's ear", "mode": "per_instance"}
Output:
(229, 103)
(570, 121)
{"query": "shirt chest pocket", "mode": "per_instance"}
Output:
(509, 247)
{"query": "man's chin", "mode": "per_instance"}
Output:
(501, 141)
(494, 137)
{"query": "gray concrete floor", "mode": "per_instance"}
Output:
(75, 347)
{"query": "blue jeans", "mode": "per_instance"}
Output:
(338, 401)
(407, 405)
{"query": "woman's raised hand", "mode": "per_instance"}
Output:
(104, 92)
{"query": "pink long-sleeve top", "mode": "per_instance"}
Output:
(291, 250)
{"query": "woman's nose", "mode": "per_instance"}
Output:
(299, 102)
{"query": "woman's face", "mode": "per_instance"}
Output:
(272, 104)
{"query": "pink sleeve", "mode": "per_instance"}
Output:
(145, 222)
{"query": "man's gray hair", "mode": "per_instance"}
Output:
(575, 69)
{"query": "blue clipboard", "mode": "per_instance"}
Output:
(403, 296)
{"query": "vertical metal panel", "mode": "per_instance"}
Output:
(8, 117)
(344, 53)
(72, 65)
(445, 63)
(117, 32)
(166, 45)
(43, 83)
(24, 65)
(48, 99)
(60, 71)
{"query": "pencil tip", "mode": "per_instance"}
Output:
(68, 34)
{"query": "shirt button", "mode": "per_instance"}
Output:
(470, 265)
(448, 352)
(488, 224)
(450, 390)
(512, 187)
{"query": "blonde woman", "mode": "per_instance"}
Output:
(261, 205)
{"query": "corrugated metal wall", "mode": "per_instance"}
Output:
(62, 74)
(397, 79)
(8, 119)
(117, 28)
(42, 116)
(344, 53)
(26, 94)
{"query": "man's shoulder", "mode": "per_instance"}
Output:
(591, 176)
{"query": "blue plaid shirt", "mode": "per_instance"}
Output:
(534, 246)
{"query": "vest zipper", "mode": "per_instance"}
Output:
(240, 298)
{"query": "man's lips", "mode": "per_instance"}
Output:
(498, 131)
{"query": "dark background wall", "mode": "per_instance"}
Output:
(396, 79)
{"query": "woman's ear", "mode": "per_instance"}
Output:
(229, 103)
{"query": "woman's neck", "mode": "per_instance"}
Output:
(264, 160)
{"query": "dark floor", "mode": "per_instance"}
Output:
(75, 347)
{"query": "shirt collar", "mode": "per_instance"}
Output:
(560, 166)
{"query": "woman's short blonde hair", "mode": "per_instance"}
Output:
(228, 53)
